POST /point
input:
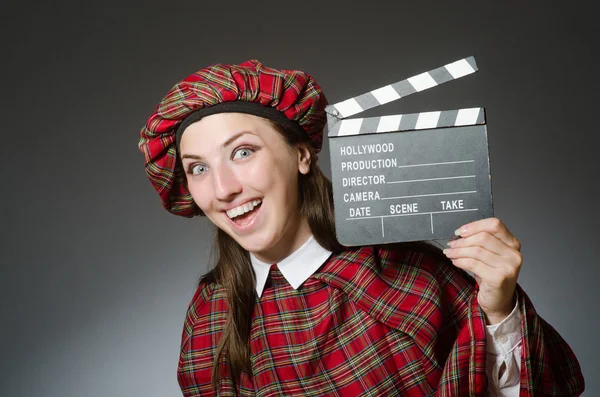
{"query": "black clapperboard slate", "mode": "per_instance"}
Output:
(408, 177)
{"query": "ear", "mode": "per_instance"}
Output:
(303, 159)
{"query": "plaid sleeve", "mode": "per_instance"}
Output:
(204, 321)
(548, 365)
(462, 339)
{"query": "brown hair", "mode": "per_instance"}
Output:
(233, 268)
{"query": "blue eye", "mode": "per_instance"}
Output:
(198, 169)
(242, 153)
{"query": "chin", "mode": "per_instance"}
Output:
(257, 243)
(260, 241)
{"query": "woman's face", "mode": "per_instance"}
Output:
(244, 177)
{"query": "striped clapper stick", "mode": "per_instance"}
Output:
(408, 177)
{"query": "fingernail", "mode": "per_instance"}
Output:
(460, 231)
(446, 250)
(450, 243)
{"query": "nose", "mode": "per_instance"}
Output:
(226, 184)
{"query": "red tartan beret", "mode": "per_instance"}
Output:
(289, 97)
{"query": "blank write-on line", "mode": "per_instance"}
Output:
(428, 195)
(434, 179)
(429, 164)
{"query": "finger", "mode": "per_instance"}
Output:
(480, 254)
(487, 241)
(493, 226)
(480, 270)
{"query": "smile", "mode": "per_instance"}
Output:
(242, 209)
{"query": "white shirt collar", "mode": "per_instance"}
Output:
(296, 268)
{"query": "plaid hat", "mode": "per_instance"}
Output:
(290, 97)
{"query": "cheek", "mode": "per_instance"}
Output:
(262, 175)
(200, 195)
(285, 182)
(256, 172)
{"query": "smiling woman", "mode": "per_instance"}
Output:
(239, 168)
(286, 310)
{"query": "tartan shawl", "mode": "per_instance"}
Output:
(373, 321)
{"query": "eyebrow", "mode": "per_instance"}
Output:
(225, 144)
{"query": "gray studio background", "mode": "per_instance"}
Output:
(96, 277)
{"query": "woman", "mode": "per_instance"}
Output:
(289, 311)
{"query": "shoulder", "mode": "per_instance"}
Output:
(401, 264)
(207, 306)
(409, 286)
(208, 296)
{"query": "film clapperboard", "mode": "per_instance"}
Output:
(408, 177)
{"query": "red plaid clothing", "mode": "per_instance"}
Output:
(375, 321)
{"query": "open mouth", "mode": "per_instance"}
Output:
(244, 214)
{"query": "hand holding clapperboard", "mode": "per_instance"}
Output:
(422, 176)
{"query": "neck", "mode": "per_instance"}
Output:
(292, 239)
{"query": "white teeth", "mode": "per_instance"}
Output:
(242, 209)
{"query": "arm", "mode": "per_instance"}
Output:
(547, 364)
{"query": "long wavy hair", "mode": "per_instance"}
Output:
(232, 267)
